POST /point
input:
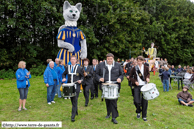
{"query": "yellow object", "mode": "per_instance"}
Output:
(81, 87)
(82, 37)
(61, 88)
(151, 51)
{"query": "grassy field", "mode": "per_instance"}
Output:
(163, 112)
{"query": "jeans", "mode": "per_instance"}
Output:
(184, 100)
(51, 92)
(58, 90)
(165, 85)
(23, 93)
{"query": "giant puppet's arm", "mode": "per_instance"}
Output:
(66, 45)
(62, 44)
(155, 53)
(147, 52)
(83, 49)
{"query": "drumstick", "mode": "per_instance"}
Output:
(77, 81)
(103, 72)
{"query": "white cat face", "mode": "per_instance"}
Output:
(71, 13)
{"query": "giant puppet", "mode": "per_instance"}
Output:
(152, 52)
(71, 39)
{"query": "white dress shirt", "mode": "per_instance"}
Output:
(141, 82)
(109, 69)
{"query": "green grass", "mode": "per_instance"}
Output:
(163, 112)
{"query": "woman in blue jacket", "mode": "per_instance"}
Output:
(60, 69)
(22, 76)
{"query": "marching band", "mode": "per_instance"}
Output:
(108, 76)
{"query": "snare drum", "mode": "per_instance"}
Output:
(69, 90)
(110, 91)
(149, 91)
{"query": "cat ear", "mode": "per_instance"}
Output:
(66, 5)
(79, 6)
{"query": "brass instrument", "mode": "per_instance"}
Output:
(85, 74)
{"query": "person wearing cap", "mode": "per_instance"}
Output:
(108, 71)
(185, 98)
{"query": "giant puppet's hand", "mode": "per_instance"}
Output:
(66, 45)
(83, 49)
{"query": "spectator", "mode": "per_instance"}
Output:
(154, 69)
(56, 63)
(166, 76)
(161, 62)
(156, 64)
(170, 71)
(51, 81)
(184, 69)
(47, 61)
(192, 77)
(170, 74)
(165, 62)
(188, 74)
(188, 67)
(161, 70)
(60, 69)
(173, 69)
(23, 84)
(185, 98)
(179, 69)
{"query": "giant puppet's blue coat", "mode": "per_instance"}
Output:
(72, 35)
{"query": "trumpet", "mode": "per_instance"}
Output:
(85, 74)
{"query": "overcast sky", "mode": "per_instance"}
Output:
(192, 0)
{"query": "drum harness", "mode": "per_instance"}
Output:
(140, 75)
(74, 73)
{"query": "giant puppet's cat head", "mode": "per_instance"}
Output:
(71, 13)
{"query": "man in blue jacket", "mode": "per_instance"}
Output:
(51, 80)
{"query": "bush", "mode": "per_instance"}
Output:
(37, 71)
(9, 74)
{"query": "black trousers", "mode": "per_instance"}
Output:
(86, 89)
(140, 103)
(111, 106)
(132, 89)
(74, 101)
(94, 89)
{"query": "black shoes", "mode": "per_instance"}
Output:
(145, 119)
(114, 121)
(108, 116)
(138, 115)
(190, 105)
(92, 98)
(86, 105)
(72, 120)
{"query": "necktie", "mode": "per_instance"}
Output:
(94, 68)
(85, 68)
(72, 69)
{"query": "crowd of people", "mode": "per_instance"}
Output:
(90, 78)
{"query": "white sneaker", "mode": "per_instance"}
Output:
(49, 103)
(52, 101)
(65, 98)
(69, 97)
(80, 91)
(55, 94)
